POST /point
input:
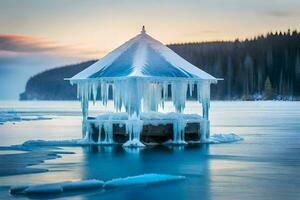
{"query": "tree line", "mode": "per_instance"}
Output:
(263, 67)
(251, 68)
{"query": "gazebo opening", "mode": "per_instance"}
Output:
(141, 76)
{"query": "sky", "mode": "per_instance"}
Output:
(36, 35)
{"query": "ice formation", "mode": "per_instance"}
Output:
(142, 75)
(53, 188)
(56, 187)
(73, 142)
(213, 139)
(12, 116)
(136, 96)
(223, 138)
(141, 180)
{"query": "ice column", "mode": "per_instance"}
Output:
(204, 97)
(134, 128)
(84, 96)
(179, 91)
(178, 131)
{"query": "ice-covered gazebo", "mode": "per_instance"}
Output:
(142, 74)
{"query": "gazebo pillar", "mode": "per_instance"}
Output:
(205, 100)
(205, 109)
(84, 109)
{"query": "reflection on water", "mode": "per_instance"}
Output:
(265, 165)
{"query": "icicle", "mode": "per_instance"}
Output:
(205, 98)
(99, 132)
(104, 93)
(78, 90)
(191, 86)
(178, 131)
(94, 91)
(165, 93)
(108, 129)
(134, 128)
(179, 91)
(204, 131)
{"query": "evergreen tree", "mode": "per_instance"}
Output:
(268, 91)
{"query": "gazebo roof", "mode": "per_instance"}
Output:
(142, 56)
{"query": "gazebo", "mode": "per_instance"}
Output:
(141, 75)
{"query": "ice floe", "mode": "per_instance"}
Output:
(51, 188)
(141, 180)
(223, 138)
(54, 188)
(12, 116)
(72, 142)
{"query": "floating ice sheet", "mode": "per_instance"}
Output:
(57, 187)
(141, 180)
(12, 116)
(72, 142)
(223, 138)
(54, 188)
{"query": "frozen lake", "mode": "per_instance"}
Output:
(265, 165)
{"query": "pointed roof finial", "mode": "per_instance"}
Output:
(143, 29)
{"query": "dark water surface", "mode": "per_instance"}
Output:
(265, 165)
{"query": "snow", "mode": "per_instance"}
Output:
(141, 180)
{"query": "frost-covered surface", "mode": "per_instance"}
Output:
(142, 56)
(12, 116)
(223, 138)
(141, 180)
(56, 187)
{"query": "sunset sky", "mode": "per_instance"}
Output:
(39, 34)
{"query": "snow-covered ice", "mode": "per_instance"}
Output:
(141, 180)
(72, 142)
(51, 188)
(56, 187)
(223, 138)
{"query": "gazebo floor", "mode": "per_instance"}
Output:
(157, 127)
(150, 133)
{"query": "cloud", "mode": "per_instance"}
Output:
(26, 44)
(21, 45)
(281, 13)
(23, 56)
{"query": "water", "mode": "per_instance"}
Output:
(265, 165)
